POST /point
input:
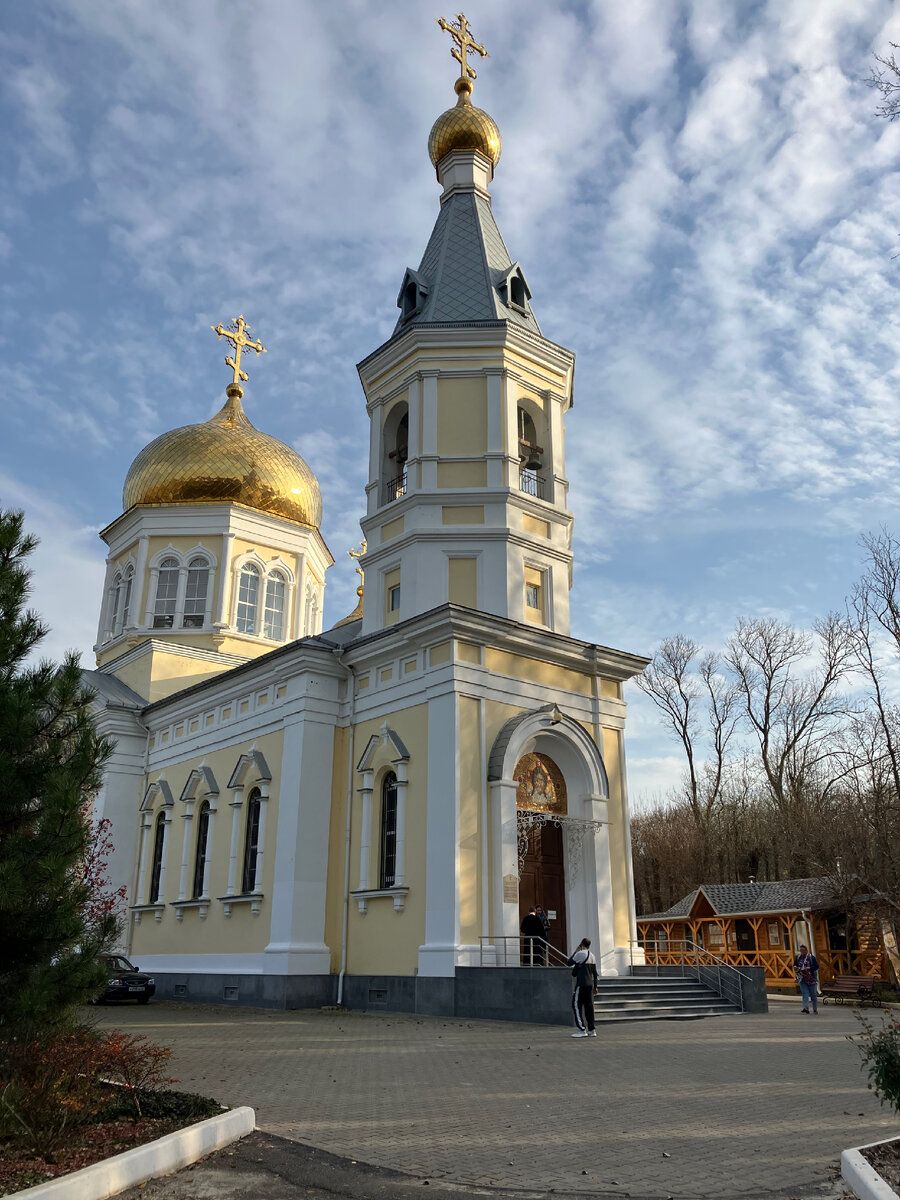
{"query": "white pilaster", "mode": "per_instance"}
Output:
(437, 956)
(235, 804)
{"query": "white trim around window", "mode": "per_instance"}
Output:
(180, 590)
(262, 597)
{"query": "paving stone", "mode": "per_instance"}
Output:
(744, 1106)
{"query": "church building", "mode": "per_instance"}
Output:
(304, 816)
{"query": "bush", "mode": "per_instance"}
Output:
(51, 1083)
(48, 1084)
(880, 1050)
(136, 1063)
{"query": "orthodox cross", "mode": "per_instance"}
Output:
(465, 44)
(237, 335)
(358, 554)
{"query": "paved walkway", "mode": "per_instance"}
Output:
(732, 1107)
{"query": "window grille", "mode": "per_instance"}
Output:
(248, 599)
(166, 594)
(201, 853)
(195, 594)
(388, 864)
(251, 843)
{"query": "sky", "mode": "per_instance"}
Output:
(705, 205)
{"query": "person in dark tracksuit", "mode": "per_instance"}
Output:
(584, 971)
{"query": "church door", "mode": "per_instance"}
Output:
(543, 881)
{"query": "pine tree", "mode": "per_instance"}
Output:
(51, 760)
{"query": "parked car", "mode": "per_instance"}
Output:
(126, 982)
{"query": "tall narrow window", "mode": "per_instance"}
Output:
(251, 843)
(201, 853)
(115, 617)
(248, 599)
(273, 624)
(127, 584)
(166, 594)
(195, 593)
(388, 865)
(159, 838)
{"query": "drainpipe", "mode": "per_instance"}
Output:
(351, 682)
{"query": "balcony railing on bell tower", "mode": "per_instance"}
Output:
(395, 488)
(532, 484)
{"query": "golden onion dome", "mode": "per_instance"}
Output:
(464, 127)
(225, 460)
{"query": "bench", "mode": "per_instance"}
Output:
(858, 989)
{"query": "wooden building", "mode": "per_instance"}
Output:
(764, 924)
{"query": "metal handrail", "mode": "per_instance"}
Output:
(552, 956)
(693, 946)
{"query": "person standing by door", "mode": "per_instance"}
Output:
(584, 972)
(545, 921)
(532, 931)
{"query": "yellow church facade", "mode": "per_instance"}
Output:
(357, 815)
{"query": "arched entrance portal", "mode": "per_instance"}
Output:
(541, 788)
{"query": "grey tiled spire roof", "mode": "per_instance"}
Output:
(736, 899)
(463, 269)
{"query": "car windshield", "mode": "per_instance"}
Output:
(116, 962)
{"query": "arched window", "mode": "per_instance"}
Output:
(273, 623)
(248, 599)
(251, 842)
(115, 604)
(159, 839)
(127, 584)
(195, 593)
(517, 294)
(166, 594)
(202, 849)
(388, 856)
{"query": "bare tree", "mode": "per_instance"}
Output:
(794, 711)
(885, 78)
(702, 710)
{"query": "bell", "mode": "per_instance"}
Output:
(533, 460)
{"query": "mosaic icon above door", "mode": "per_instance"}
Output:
(541, 785)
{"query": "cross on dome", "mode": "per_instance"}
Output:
(465, 44)
(237, 335)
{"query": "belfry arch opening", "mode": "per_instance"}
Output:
(532, 456)
(395, 452)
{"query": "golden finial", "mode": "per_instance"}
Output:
(358, 554)
(465, 44)
(237, 335)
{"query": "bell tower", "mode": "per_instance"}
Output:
(467, 485)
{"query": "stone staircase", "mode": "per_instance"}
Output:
(651, 998)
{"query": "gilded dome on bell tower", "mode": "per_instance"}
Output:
(464, 127)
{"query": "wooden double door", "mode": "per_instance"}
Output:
(543, 882)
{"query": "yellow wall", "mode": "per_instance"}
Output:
(462, 474)
(533, 669)
(532, 525)
(463, 582)
(462, 416)
(382, 941)
(392, 529)
(241, 933)
(462, 514)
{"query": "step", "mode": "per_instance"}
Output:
(664, 1015)
(637, 1005)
